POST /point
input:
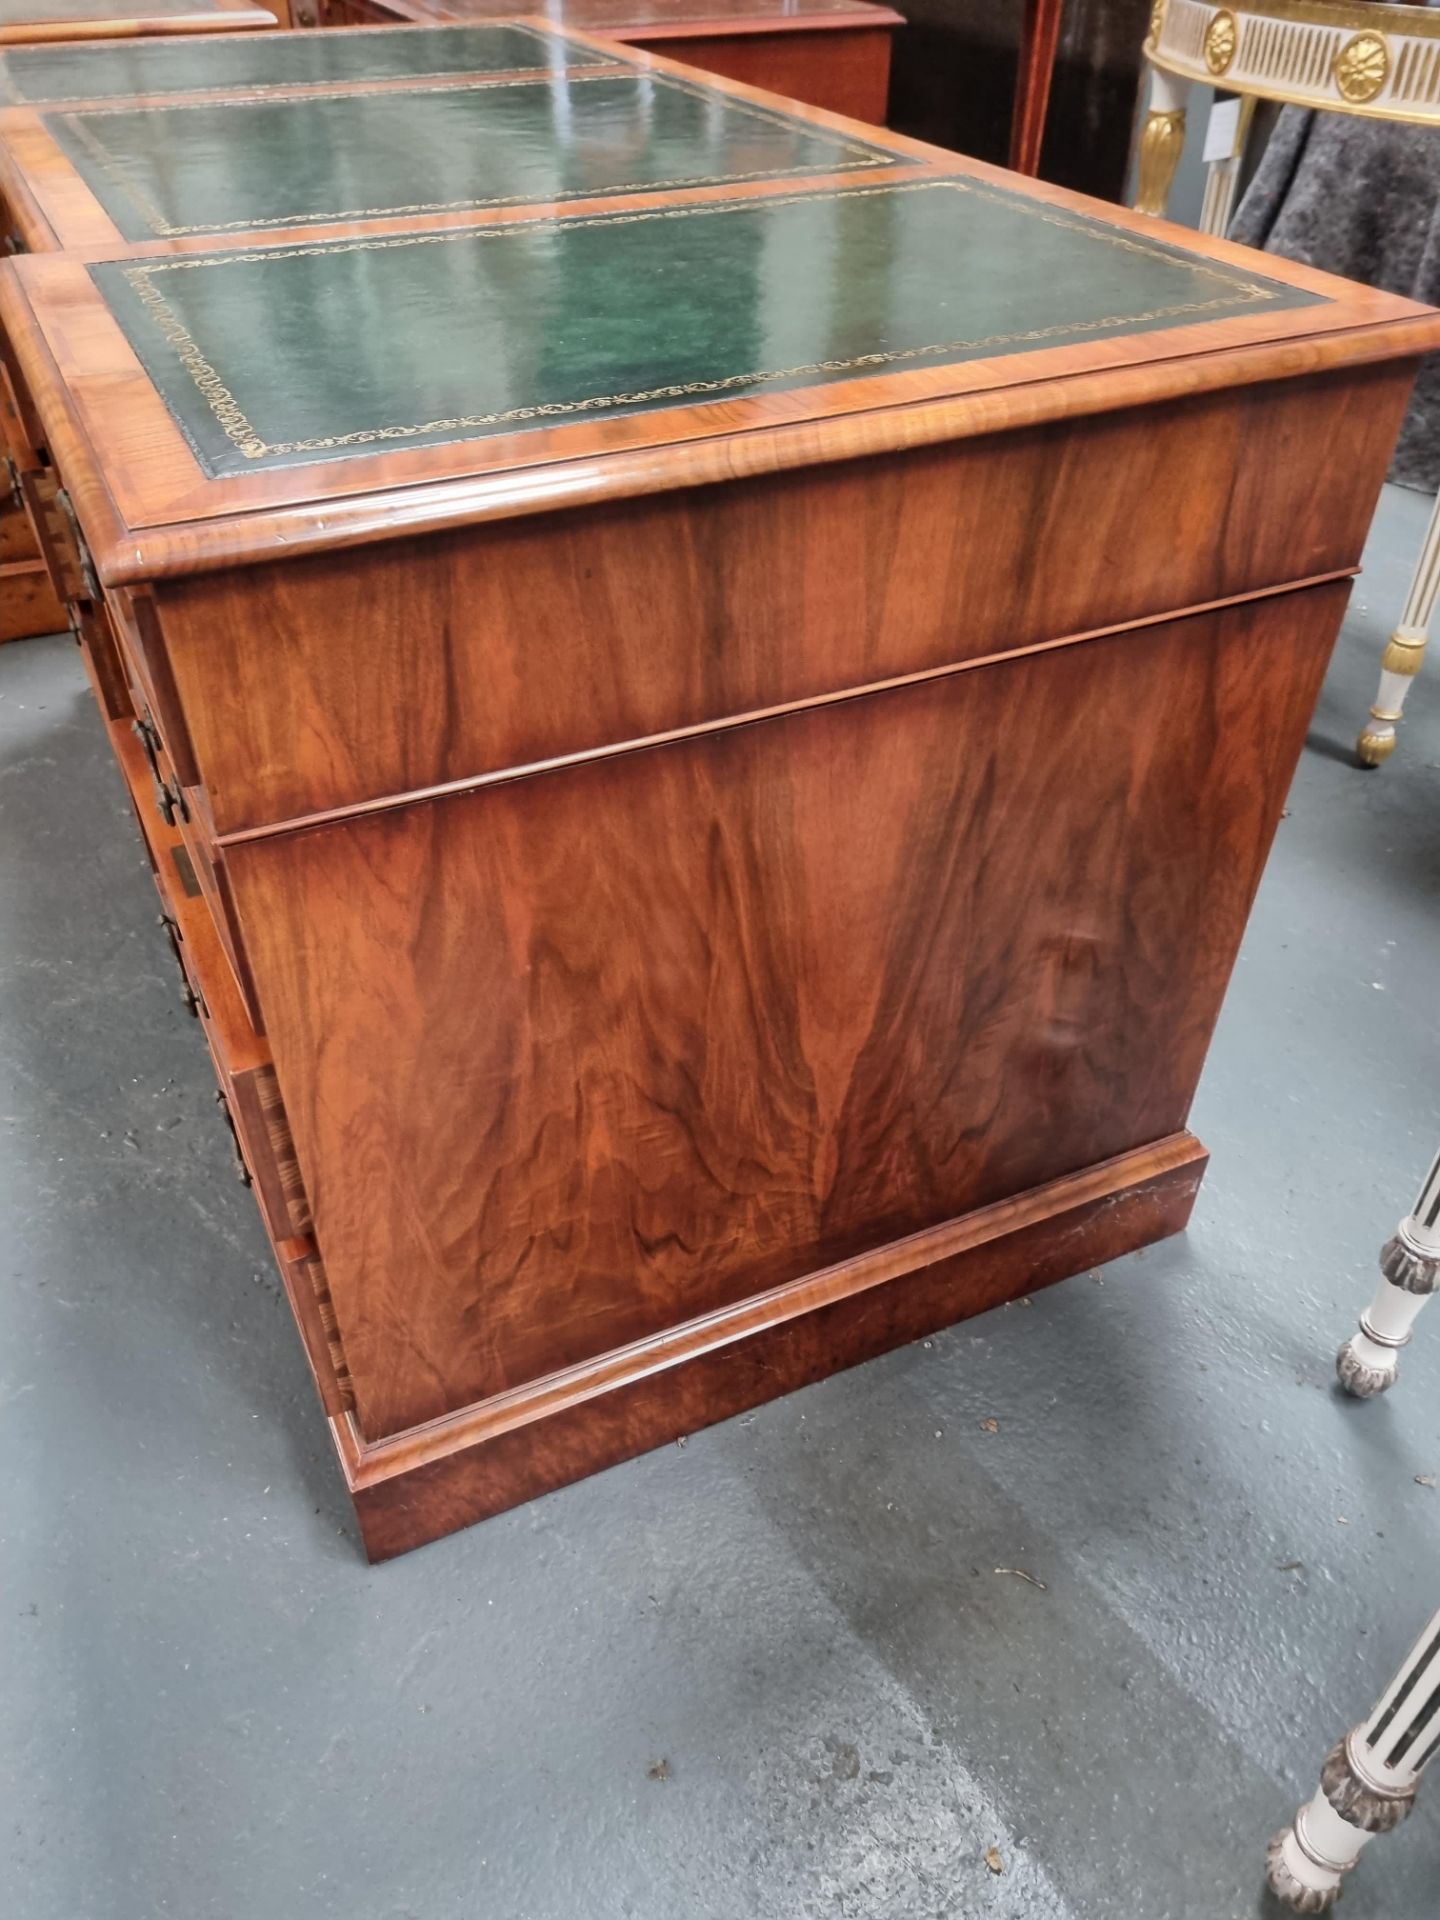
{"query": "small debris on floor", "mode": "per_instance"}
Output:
(1424, 1479)
(1021, 1574)
(660, 1771)
(989, 1426)
(1291, 1566)
(993, 1860)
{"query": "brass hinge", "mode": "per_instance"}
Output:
(169, 801)
(190, 999)
(89, 582)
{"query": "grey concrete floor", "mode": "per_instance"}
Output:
(775, 1673)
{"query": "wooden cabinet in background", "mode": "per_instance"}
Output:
(826, 53)
(42, 22)
(707, 746)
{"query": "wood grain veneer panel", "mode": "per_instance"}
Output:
(579, 1058)
(453, 1473)
(502, 645)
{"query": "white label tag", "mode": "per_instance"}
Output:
(1222, 130)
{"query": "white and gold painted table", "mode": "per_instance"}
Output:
(1373, 61)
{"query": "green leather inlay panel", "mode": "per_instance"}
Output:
(231, 165)
(284, 355)
(204, 63)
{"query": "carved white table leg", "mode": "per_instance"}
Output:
(1222, 177)
(1401, 660)
(1161, 140)
(1367, 1785)
(1410, 1261)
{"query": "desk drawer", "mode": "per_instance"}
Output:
(316, 683)
(250, 1089)
(180, 803)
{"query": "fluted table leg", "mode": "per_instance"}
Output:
(1410, 1263)
(1367, 1785)
(1401, 660)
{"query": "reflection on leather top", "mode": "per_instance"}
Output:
(241, 165)
(203, 63)
(283, 355)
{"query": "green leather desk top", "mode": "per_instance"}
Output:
(241, 165)
(250, 62)
(281, 356)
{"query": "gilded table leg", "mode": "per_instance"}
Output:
(1410, 1262)
(1367, 1785)
(1161, 140)
(1402, 657)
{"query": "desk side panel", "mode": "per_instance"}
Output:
(321, 682)
(577, 1059)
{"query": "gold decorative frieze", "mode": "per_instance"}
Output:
(1377, 60)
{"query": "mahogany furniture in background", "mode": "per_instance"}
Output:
(827, 53)
(959, 63)
(706, 748)
(1039, 37)
(27, 604)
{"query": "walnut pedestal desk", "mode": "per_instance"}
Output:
(827, 53)
(710, 746)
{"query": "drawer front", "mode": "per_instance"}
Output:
(364, 13)
(92, 628)
(320, 683)
(575, 1060)
(249, 1088)
(179, 805)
